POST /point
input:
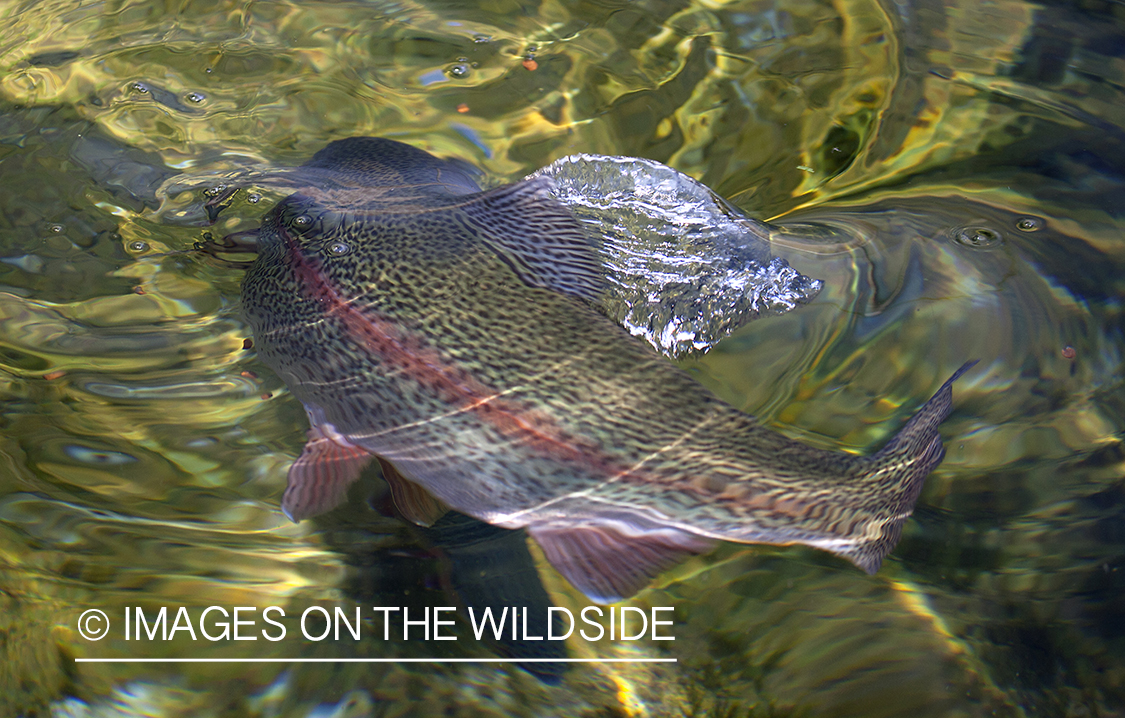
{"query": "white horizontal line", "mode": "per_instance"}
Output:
(375, 660)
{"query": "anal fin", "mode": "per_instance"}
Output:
(320, 477)
(414, 503)
(610, 565)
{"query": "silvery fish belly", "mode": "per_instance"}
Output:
(455, 336)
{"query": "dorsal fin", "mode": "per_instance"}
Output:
(609, 565)
(412, 501)
(537, 237)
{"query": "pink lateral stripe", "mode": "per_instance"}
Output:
(426, 366)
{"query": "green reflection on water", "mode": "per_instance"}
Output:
(143, 450)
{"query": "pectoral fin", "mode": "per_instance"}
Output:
(609, 565)
(320, 477)
(412, 501)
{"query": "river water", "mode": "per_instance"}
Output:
(952, 171)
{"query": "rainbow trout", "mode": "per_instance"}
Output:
(454, 336)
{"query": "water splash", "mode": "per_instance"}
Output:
(686, 268)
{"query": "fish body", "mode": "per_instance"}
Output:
(454, 334)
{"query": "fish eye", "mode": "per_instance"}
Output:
(338, 249)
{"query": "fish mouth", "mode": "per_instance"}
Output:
(245, 242)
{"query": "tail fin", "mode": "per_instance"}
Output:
(899, 470)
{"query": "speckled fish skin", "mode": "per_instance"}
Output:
(454, 334)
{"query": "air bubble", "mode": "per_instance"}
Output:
(977, 237)
(338, 249)
(459, 69)
(138, 246)
(196, 97)
(481, 39)
(1029, 224)
(140, 87)
(302, 221)
(57, 228)
(253, 198)
(98, 457)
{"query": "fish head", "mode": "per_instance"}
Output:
(346, 194)
(385, 172)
